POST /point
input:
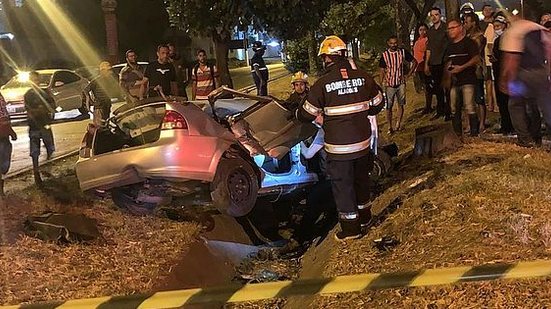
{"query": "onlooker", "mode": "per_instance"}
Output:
(434, 63)
(393, 78)
(181, 69)
(259, 69)
(462, 57)
(525, 77)
(487, 28)
(99, 89)
(6, 132)
(545, 18)
(419, 51)
(500, 26)
(40, 110)
(161, 75)
(474, 32)
(132, 79)
(205, 77)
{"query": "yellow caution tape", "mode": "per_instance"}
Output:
(281, 289)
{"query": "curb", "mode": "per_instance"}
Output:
(342, 284)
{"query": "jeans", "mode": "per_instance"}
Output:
(463, 96)
(442, 105)
(397, 93)
(47, 138)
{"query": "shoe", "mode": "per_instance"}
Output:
(436, 117)
(365, 215)
(38, 180)
(448, 118)
(526, 144)
(2, 194)
(390, 131)
(350, 229)
(426, 111)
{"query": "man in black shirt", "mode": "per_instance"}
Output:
(461, 57)
(434, 64)
(259, 69)
(162, 75)
(182, 75)
(40, 107)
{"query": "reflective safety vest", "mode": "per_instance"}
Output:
(344, 96)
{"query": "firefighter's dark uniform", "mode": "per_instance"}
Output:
(343, 96)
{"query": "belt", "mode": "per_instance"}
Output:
(353, 108)
(348, 148)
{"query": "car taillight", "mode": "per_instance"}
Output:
(173, 120)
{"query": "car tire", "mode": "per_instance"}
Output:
(126, 198)
(235, 187)
(382, 164)
(83, 109)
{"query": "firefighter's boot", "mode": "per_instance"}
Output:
(364, 211)
(350, 229)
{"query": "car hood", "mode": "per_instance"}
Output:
(14, 94)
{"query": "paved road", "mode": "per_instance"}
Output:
(70, 126)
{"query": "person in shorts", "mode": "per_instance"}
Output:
(393, 77)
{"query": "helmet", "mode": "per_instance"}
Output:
(258, 46)
(104, 65)
(332, 45)
(465, 9)
(299, 77)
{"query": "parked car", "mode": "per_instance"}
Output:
(115, 92)
(65, 86)
(165, 149)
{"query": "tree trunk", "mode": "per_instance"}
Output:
(452, 9)
(221, 51)
(313, 54)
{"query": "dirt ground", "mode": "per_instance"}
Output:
(133, 255)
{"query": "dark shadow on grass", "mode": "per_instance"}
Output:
(65, 189)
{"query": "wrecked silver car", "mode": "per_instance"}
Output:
(164, 149)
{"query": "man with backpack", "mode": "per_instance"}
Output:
(205, 77)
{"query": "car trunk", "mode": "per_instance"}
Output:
(271, 129)
(133, 128)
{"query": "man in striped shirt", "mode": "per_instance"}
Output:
(205, 77)
(393, 78)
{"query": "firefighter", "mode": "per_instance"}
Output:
(299, 82)
(343, 95)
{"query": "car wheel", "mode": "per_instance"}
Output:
(83, 109)
(127, 198)
(235, 187)
(381, 165)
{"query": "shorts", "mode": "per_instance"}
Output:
(5, 155)
(47, 138)
(488, 73)
(395, 93)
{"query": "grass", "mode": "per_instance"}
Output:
(484, 203)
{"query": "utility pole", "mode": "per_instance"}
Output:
(452, 9)
(108, 7)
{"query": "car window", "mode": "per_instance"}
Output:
(66, 77)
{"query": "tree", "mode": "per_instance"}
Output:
(420, 10)
(213, 18)
(350, 19)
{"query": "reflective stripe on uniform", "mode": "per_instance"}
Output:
(349, 148)
(353, 108)
(348, 215)
(311, 108)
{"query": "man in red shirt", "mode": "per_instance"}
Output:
(205, 77)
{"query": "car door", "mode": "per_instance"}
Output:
(66, 89)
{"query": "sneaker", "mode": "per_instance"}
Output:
(436, 117)
(350, 229)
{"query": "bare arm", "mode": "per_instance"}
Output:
(412, 67)
(427, 68)
(193, 89)
(381, 76)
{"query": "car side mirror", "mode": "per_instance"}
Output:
(58, 83)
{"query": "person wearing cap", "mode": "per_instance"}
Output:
(344, 96)
(39, 104)
(98, 88)
(259, 69)
(132, 79)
